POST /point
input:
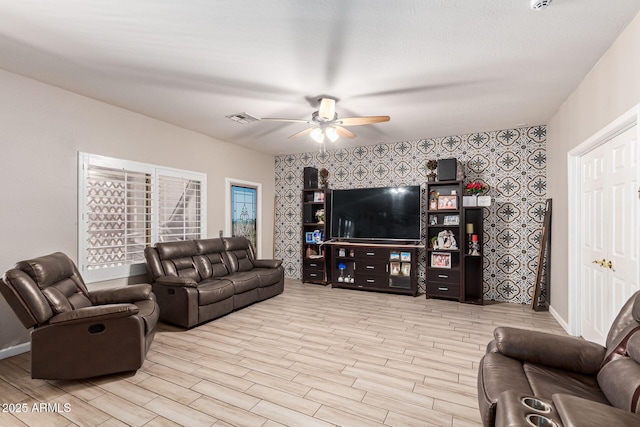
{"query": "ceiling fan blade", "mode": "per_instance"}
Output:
(327, 108)
(356, 121)
(271, 119)
(345, 133)
(301, 133)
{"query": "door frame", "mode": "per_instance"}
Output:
(621, 124)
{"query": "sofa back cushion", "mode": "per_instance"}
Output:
(58, 280)
(210, 261)
(626, 324)
(238, 254)
(177, 259)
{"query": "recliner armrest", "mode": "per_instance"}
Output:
(267, 263)
(131, 293)
(176, 281)
(576, 411)
(562, 352)
(94, 313)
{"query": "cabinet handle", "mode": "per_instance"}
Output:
(370, 267)
(443, 289)
(371, 253)
(312, 265)
(313, 274)
(443, 276)
(370, 280)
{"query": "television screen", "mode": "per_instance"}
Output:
(386, 213)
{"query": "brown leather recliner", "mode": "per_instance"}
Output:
(76, 333)
(575, 382)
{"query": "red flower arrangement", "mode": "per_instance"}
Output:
(476, 187)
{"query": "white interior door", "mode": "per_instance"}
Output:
(609, 232)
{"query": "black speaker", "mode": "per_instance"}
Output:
(447, 169)
(310, 177)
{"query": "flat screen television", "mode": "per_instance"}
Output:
(385, 213)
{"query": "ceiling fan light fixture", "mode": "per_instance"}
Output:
(331, 133)
(317, 135)
(327, 109)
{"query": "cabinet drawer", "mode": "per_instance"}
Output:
(435, 289)
(442, 275)
(371, 267)
(308, 275)
(364, 280)
(372, 253)
(314, 264)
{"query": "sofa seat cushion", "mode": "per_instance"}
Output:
(545, 382)
(149, 311)
(244, 281)
(268, 276)
(214, 290)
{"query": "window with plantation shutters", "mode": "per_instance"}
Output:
(179, 208)
(125, 206)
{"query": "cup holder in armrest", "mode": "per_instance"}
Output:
(536, 404)
(537, 420)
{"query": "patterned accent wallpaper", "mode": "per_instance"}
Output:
(511, 161)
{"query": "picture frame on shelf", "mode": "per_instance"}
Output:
(395, 268)
(405, 256)
(394, 256)
(451, 220)
(318, 196)
(441, 260)
(448, 202)
(433, 219)
(308, 237)
(405, 269)
(317, 236)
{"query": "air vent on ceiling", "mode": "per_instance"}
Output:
(540, 4)
(242, 118)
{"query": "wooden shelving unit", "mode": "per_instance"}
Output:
(454, 270)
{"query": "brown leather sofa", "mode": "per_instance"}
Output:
(196, 281)
(573, 382)
(77, 333)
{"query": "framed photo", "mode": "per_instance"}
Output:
(308, 237)
(451, 220)
(394, 256)
(448, 202)
(433, 219)
(317, 236)
(441, 260)
(395, 268)
(406, 269)
(318, 196)
(405, 256)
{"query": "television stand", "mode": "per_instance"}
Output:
(379, 267)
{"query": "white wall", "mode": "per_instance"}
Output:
(42, 128)
(611, 89)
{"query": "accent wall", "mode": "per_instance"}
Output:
(512, 162)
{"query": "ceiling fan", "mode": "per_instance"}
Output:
(326, 124)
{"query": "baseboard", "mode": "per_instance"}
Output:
(17, 349)
(560, 320)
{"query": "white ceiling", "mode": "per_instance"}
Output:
(437, 67)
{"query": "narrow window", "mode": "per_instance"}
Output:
(244, 209)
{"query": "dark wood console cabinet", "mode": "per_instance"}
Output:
(382, 268)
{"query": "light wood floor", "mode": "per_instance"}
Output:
(313, 356)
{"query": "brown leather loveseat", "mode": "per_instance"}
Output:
(199, 280)
(79, 333)
(528, 376)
